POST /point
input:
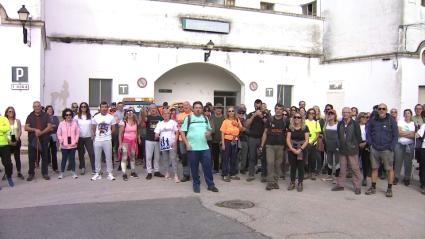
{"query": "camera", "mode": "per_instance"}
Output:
(13, 138)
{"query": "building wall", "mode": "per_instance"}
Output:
(161, 22)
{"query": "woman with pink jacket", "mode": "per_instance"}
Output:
(68, 133)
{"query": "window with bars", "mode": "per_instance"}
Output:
(99, 90)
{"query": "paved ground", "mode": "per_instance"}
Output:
(315, 213)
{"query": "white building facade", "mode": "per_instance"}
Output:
(353, 53)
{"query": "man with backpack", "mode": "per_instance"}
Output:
(273, 141)
(382, 136)
(196, 129)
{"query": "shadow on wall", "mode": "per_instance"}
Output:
(59, 98)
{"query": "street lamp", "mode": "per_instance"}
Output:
(23, 17)
(208, 47)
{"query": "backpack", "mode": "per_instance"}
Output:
(189, 121)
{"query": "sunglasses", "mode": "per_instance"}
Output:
(68, 114)
(393, 112)
(382, 109)
(230, 111)
(83, 106)
(297, 117)
(285, 114)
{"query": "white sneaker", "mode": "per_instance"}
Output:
(74, 176)
(176, 179)
(96, 177)
(111, 177)
(60, 176)
(167, 175)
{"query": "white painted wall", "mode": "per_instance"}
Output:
(161, 21)
(15, 53)
(413, 72)
(361, 27)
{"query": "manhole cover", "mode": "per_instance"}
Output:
(235, 204)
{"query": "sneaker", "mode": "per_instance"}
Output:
(364, 183)
(300, 187)
(149, 176)
(269, 186)
(134, 175)
(30, 177)
(275, 186)
(213, 189)
(185, 178)
(250, 178)
(328, 178)
(370, 191)
(82, 171)
(226, 179)
(167, 175)
(235, 177)
(111, 177)
(291, 186)
(10, 182)
(74, 176)
(158, 174)
(406, 182)
(46, 177)
(93, 173)
(125, 177)
(337, 188)
(96, 176)
(389, 193)
(196, 189)
(358, 191)
(60, 176)
(176, 179)
(21, 176)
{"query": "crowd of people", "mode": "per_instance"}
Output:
(225, 140)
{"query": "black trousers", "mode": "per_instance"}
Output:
(216, 152)
(422, 167)
(366, 166)
(33, 153)
(16, 151)
(313, 156)
(296, 165)
(83, 145)
(53, 154)
(6, 160)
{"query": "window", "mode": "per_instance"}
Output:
(267, 6)
(310, 9)
(99, 90)
(225, 98)
(423, 3)
(230, 3)
(423, 56)
(284, 95)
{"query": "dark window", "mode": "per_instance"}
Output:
(99, 90)
(310, 9)
(230, 3)
(284, 95)
(267, 6)
(423, 55)
(423, 3)
(227, 98)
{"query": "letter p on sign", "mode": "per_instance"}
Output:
(19, 74)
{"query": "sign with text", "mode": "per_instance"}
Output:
(19, 74)
(20, 86)
(123, 89)
(269, 92)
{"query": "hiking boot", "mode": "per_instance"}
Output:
(46, 177)
(235, 177)
(196, 189)
(21, 176)
(149, 176)
(312, 177)
(275, 186)
(269, 186)
(337, 188)
(406, 182)
(213, 189)
(358, 191)
(250, 178)
(300, 187)
(291, 186)
(134, 175)
(226, 179)
(364, 182)
(370, 191)
(125, 177)
(185, 179)
(158, 174)
(30, 177)
(389, 193)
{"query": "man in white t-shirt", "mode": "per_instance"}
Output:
(403, 152)
(103, 126)
(167, 133)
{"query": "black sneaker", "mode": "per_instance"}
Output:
(213, 189)
(46, 177)
(389, 193)
(158, 174)
(149, 176)
(134, 175)
(21, 176)
(124, 177)
(30, 177)
(337, 188)
(370, 191)
(406, 182)
(185, 179)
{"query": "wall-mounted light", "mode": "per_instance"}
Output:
(208, 48)
(23, 17)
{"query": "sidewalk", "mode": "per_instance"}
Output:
(314, 213)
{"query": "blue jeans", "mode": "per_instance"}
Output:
(228, 164)
(68, 154)
(203, 157)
